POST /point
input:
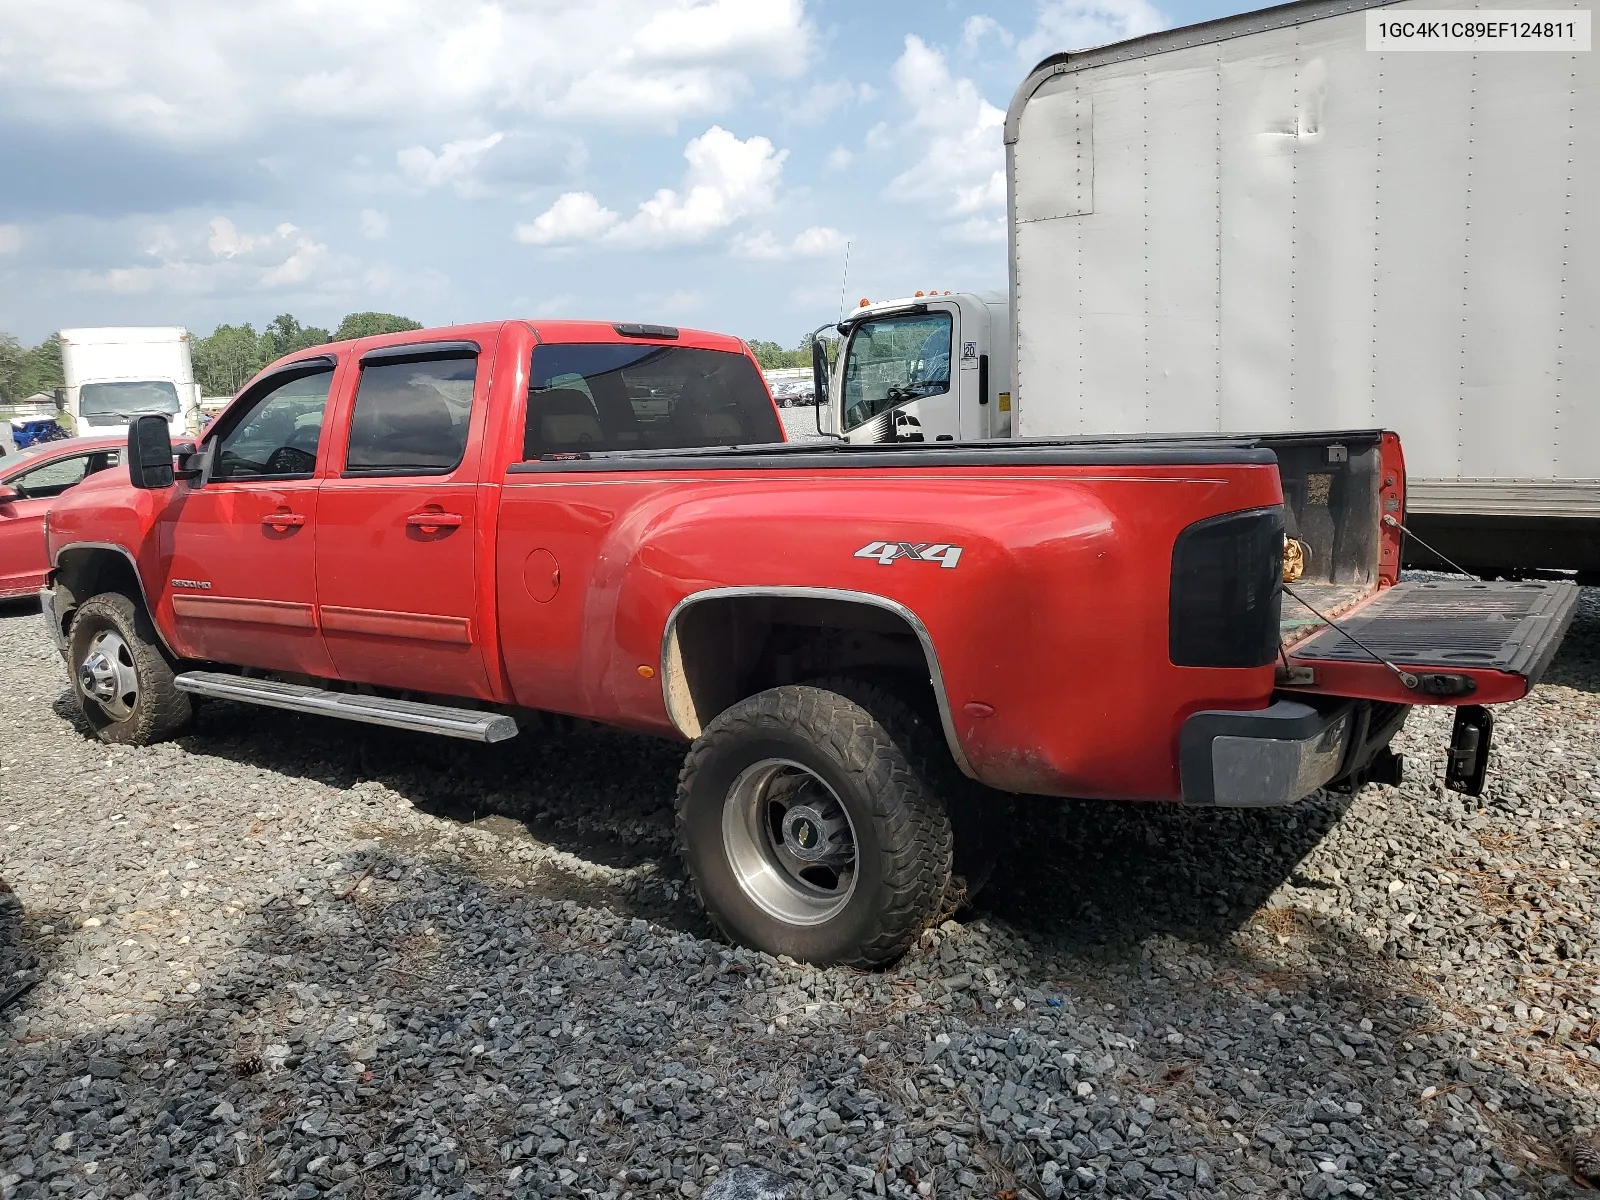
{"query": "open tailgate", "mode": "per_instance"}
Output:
(1459, 642)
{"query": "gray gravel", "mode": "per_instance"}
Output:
(799, 424)
(287, 957)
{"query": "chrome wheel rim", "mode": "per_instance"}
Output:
(790, 842)
(107, 677)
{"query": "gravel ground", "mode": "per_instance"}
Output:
(800, 424)
(287, 957)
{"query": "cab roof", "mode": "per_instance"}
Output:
(546, 331)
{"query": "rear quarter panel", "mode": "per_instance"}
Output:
(1055, 615)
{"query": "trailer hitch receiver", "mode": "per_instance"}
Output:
(1468, 761)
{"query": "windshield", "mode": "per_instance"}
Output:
(125, 399)
(895, 360)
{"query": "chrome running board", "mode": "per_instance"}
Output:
(418, 717)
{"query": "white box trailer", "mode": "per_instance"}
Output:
(115, 373)
(1260, 224)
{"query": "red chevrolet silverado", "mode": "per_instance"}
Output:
(459, 531)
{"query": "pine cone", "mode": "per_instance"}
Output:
(1586, 1160)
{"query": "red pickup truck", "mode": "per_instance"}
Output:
(456, 531)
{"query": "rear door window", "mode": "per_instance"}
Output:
(584, 398)
(411, 417)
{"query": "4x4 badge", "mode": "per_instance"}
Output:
(943, 553)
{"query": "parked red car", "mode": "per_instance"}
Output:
(29, 485)
(452, 531)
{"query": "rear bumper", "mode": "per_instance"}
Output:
(1280, 754)
(52, 620)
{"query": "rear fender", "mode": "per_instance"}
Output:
(681, 697)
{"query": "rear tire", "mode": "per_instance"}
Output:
(777, 790)
(121, 677)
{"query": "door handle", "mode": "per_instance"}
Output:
(432, 522)
(283, 520)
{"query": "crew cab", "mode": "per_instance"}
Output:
(461, 531)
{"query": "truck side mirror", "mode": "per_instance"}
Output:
(61, 399)
(819, 387)
(150, 452)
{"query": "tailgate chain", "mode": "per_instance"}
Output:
(1407, 680)
(1394, 521)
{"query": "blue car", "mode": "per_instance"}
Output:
(30, 431)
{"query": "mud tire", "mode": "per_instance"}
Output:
(882, 761)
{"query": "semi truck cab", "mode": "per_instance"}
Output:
(933, 367)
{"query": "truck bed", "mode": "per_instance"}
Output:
(1330, 599)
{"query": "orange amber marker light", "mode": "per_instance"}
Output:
(864, 302)
(647, 672)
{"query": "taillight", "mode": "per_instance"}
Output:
(1226, 596)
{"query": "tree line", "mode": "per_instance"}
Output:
(773, 357)
(224, 360)
(227, 357)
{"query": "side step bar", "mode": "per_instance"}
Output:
(466, 723)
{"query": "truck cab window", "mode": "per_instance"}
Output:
(277, 437)
(411, 418)
(601, 396)
(895, 360)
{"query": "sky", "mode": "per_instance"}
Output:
(696, 162)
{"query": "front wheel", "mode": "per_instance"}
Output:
(121, 678)
(809, 825)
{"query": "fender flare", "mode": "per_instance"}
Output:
(672, 671)
(133, 565)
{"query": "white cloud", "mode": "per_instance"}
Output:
(10, 239)
(574, 217)
(962, 167)
(839, 158)
(455, 164)
(374, 224)
(223, 258)
(1079, 24)
(682, 301)
(727, 180)
(200, 71)
(978, 229)
(815, 242)
(822, 100)
(560, 306)
(979, 27)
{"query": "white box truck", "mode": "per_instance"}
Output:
(116, 373)
(1260, 224)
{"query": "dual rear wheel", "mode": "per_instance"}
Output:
(816, 821)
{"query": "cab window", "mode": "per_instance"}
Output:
(895, 360)
(585, 398)
(278, 436)
(52, 478)
(411, 417)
